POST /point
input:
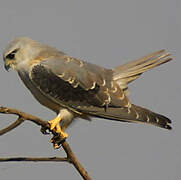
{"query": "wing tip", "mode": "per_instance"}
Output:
(168, 127)
(167, 122)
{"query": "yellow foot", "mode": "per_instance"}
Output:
(55, 124)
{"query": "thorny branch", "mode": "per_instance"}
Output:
(57, 139)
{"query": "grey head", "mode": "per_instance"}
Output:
(22, 50)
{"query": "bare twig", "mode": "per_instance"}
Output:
(53, 159)
(12, 126)
(71, 158)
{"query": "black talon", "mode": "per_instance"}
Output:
(44, 131)
(57, 141)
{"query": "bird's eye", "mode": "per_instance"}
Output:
(10, 56)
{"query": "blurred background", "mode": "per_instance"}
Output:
(107, 33)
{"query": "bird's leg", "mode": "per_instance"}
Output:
(55, 124)
(65, 117)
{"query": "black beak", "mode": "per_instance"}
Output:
(7, 66)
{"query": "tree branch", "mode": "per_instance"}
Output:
(57, 139)
(53, 159)
(12, 126)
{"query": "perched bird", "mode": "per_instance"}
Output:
(75, 88)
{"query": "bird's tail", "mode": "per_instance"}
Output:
(130, 71)
(135, 114)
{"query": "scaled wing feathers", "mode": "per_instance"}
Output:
(77, 83)
(92, 90)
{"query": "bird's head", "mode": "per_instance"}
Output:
(20, 51)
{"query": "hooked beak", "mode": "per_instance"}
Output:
(7, 66)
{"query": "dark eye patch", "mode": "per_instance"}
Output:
(12, 54)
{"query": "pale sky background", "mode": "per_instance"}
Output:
(107, 33)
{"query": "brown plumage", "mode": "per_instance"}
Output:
(74, 88)
(97, 91)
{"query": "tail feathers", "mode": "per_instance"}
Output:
(135, 114)
(128, 72)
